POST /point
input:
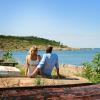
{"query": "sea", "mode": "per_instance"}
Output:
(74, 57)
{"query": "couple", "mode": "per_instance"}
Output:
(35, 65)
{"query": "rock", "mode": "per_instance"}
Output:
(9, 71)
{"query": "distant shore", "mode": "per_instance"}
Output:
(43, 48)
(24, 43)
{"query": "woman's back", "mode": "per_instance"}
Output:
(32, 64)
(32, 60)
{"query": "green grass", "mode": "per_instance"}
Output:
(21, 68)
(39, 81)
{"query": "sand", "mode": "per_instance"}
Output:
(68, 71)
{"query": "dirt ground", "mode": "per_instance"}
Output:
(24, 81)
(69, 73)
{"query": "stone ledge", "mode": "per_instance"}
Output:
(9, 71)
(79, 92)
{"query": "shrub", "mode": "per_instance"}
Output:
(39, 81)
(21, 68)
(91, 70)
(87, 70)
(7, 56)
(96, 63)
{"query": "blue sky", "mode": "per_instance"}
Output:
(75, 23)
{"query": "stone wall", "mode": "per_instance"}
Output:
(71, 92)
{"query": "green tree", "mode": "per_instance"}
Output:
(7, 56)
(91, 70)
(96, 62)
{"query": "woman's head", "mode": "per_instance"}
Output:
(49, 49)
(33, 50)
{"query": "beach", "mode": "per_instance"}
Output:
(70, 73)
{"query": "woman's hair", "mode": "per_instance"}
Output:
(49, 49)
(33, 48)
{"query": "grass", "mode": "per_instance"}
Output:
(39, 81)
(21, 68)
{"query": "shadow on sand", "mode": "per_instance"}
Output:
(62, 77)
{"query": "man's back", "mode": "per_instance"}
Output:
(48, 62)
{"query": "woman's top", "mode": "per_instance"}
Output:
(33, 62)
(32, 65)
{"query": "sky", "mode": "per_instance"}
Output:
(75, 23)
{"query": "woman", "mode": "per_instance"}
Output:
(32, 60)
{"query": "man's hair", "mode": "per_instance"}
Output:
(49, 49)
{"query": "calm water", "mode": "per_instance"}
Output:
(65, 57)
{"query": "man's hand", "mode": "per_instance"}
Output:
(61, 77)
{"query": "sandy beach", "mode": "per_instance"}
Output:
(68, 71)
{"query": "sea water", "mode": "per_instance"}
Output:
(75, 57)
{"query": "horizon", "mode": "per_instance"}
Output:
(72, 22)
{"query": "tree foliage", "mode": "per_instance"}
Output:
(91, 70)
(16, 42)
(7, 56)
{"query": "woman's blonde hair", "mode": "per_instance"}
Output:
(33, 48)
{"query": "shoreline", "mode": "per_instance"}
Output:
(43, 49)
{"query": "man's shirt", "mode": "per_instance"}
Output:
(47, 63)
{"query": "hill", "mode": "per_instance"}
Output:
(25, 42)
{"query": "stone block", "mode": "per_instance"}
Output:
(9, 71)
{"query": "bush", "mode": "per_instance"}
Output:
(21, 68)
(87, 70)
(96, 62)
(39, 81)
(7, 56)
(91, 70)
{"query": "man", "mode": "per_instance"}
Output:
(47, 63)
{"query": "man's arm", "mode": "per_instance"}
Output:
(57, 67)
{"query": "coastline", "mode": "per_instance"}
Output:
(42, 49)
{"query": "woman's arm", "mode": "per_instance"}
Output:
(26, 66)
(39, 57)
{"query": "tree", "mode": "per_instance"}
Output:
(91, 70)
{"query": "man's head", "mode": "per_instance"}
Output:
(49, 49)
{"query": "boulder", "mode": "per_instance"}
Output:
(9, 71)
